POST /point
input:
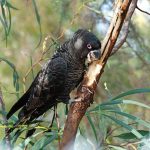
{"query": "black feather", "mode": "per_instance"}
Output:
(58, 77)
(20, 103)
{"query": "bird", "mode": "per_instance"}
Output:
(58, 77)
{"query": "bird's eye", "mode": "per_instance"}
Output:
(89, 46)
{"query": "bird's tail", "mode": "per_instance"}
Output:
(30, 132)
(26, 118)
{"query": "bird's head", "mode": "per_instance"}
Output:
(85, 45)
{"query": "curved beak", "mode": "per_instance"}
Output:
(93, 55)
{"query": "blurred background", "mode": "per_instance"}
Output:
(38, 28)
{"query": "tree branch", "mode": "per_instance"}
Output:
(125, 27)
(86, 90)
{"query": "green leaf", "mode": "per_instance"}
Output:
(103, 107)
(6, 22)
(31, 62)
(15, 75)
(13, 117)
(4, 16)
(5, 28)
(23, 144)
(135, 103)
(116, 147)
(38, 121)
(9, 16)
(126, 126)
(131, 92)
(92, 125)
(45, 140)
(129, 135)
(16, 135)
(16, 82)
(6, 3)
(1, 121)
(136, 119)
(119, 101)
(81, 131)
(10, 6)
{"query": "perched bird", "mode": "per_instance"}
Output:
(58, 77)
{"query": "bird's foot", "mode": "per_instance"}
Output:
(77, 99)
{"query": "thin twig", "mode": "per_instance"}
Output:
(142, 10)
(116, 128)
(94, 10)
(146, 64)
(7, 136)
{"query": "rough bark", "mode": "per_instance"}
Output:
(85, 91)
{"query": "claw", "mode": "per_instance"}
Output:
(75, 100)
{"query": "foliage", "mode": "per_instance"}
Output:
(116, 123)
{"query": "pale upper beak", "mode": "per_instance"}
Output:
(93, 55)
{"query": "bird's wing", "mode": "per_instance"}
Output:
(47, 83)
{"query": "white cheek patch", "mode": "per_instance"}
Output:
(78, 43)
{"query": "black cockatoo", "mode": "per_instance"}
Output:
(58, 77)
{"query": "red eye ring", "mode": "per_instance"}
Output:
(89, 46)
